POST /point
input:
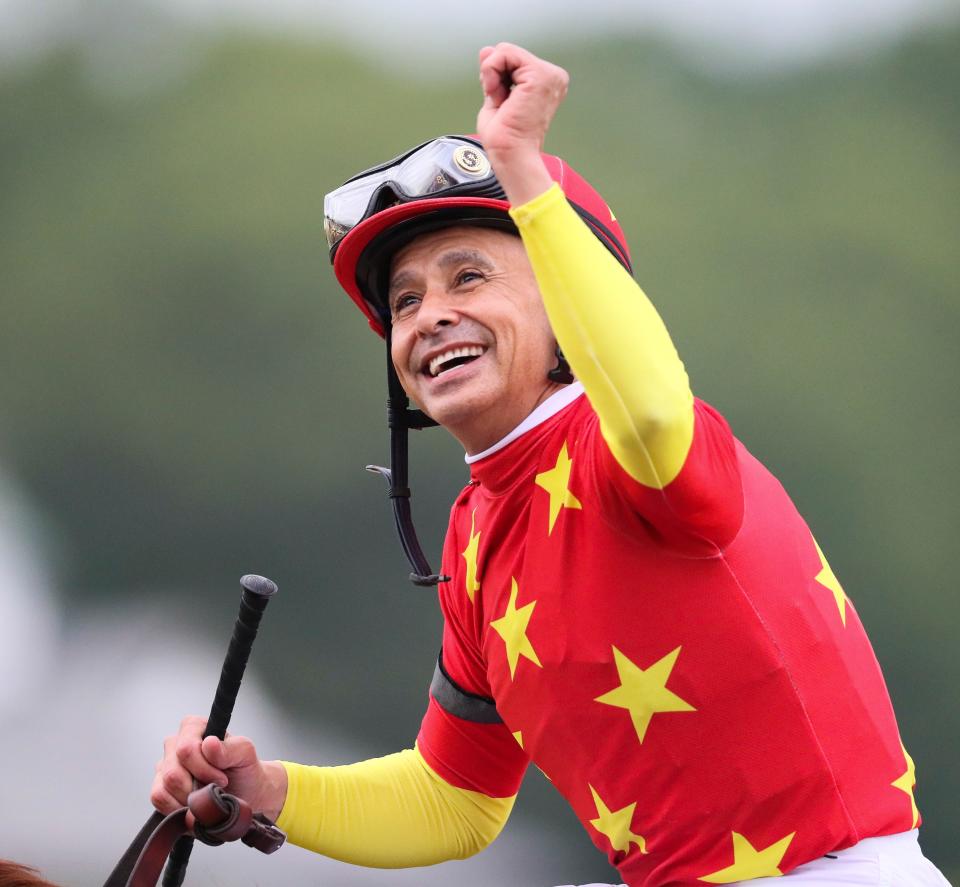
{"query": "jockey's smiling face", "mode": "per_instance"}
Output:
(471, 341)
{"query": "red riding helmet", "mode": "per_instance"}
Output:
(447, 181)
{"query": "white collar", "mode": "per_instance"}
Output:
(550, 407)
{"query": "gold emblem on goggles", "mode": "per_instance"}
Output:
(471, 160)
(335, 232)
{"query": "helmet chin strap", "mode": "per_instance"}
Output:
(400, 419)
(561, 373)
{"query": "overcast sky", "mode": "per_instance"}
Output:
(753, 31)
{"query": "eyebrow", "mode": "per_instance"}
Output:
(449, 259)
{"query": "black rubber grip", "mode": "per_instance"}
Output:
(256, 594)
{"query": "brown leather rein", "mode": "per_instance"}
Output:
(219, 818)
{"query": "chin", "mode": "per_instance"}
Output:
(450, 414)
(463, 412)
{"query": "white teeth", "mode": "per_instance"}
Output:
(453, 354)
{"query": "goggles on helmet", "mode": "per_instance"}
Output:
(446, 181)
(443, 167)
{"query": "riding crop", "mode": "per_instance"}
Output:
(221, 817)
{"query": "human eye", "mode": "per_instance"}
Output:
(404, 304)
(468, 275)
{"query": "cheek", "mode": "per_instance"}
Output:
(541, 335)
(534, 350)
(400, 355)
(545, 355)
(533, 340)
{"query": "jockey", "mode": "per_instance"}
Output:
(630, 599)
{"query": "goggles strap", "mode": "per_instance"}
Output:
(400, 419)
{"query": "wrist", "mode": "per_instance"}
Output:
(521, 173)
(273, 794)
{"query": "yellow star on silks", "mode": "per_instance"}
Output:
(470, 556)
(906, 783)
(512, 627)
(556, 482)
(643, 692)
(519, 737)
(615, 825)
(749, 863)
(826, 578)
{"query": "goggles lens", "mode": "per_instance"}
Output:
(431, 170)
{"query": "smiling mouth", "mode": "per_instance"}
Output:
(453, 358)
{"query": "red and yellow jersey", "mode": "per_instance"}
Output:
(712, 710)
(636, 606)
(668, 644)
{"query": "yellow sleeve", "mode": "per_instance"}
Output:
(389, 812)
(614, 340)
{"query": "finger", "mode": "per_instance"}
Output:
(495, 90)
(516, 54)
(507, 66)
(171, 785)
(187, 752)
(508, 57)
(163, 800)
(523, 65)
(492, 74)
(233, 753)
(497, 68)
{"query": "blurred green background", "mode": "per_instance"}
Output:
(185, 395)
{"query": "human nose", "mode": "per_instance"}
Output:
(436, 310)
